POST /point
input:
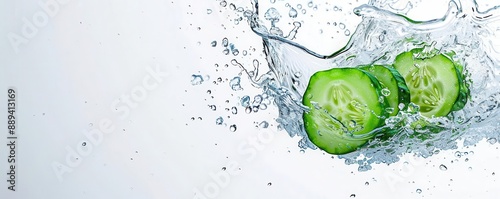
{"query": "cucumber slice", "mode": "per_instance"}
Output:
(464, 93)
(432, 80)
(394, 86)
(345, 105)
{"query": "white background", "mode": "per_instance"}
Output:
(87, 57)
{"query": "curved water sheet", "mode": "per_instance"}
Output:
(382, 34)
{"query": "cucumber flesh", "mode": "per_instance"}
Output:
(345, 105)
(432, 81)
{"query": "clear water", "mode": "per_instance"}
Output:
(383, 33)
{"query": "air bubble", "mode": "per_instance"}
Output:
(213, 43)
(209, 11)
(492, 140)
(443, 167)
(419, 191)
(84, 143)
(234, 110)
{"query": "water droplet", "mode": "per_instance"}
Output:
(209, 11)
(257, 100)
(219, 121)
(235, 52)
(232, 6)
(352, 196)
(273, 1)
(232, 128)
(225, 42)
(385, 92)
(443, 167)
(299, 6)
(292, 13)
(235, 84)
(419, 191)
(84, 143)
(263, 124)
(367, 183)
(226, 51)
(263, 106)
(304, 11)
(213, 107)
(196, 79)
(213, 43)
(342, 26)
(245, 101)
(248, 109)
(352, 123)
(209, 92)
(458, 154)
(269, 184)
(347, 32)
(223, 3)
(234, 110)
(255, 108)
(272, 15)
(223, 168)
(91, 124)
(492, 140)
(247, 13)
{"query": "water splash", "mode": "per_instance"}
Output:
(383, 33)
